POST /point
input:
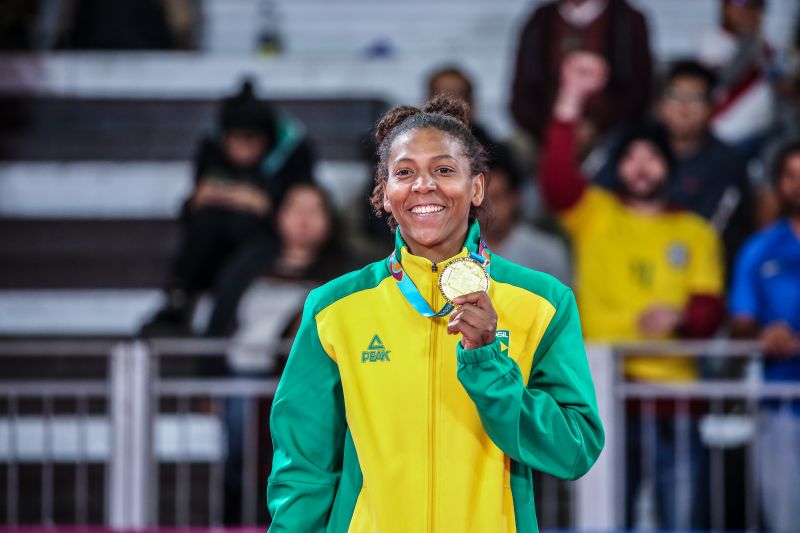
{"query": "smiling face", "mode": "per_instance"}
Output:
(429, 189)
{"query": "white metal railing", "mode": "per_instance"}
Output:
(142, 436)
(601, 497)
(128, 435)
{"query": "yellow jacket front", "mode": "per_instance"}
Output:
(382, 422)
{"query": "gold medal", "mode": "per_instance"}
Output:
(462, 276)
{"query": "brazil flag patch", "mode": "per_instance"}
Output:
(505, 338)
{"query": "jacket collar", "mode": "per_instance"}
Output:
(471, 243)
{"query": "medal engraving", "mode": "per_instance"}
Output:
(462, 276)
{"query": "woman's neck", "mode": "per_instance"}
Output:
(438, 252)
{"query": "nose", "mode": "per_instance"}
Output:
(424, 183)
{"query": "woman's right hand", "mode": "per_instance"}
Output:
(475, 319)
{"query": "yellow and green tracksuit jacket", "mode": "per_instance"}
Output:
(382, 422)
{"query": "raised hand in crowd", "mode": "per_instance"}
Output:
(582, 75)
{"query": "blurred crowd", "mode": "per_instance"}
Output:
(668, 197)
(679, 193)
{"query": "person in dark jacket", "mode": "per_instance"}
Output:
(242, 174)
(610, 28)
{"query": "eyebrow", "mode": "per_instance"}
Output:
(434, 158)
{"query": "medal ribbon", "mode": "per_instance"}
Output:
(413, 295)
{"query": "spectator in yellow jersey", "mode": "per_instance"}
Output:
(643, 270)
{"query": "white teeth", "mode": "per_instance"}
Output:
(424, 209)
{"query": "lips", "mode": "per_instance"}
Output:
(427, 209)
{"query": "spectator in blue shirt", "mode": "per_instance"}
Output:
(765, 304)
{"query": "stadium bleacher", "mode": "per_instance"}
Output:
(119, 149)
(95, 162)
(104, 140)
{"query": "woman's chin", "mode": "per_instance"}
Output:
(427, 240)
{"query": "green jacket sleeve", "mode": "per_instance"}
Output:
(308, 431)
(551, 424)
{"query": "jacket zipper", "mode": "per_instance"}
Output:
(432, 420)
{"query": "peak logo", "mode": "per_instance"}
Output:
(375, 352)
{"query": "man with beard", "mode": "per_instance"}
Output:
(710, 177)
(644, 270)
(765, 304)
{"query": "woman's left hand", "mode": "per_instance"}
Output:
(475, 319)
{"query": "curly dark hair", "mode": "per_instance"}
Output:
(442, 112)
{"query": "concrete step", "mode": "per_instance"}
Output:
(130, 189)
(48, 128)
